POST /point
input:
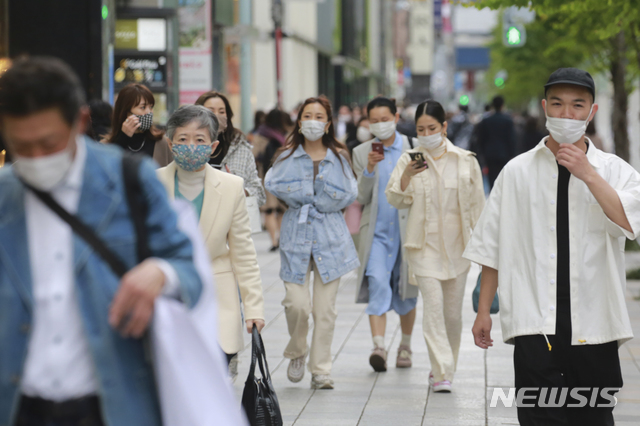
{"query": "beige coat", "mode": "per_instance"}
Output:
(368, 197)
(417, 196)
(225, 226)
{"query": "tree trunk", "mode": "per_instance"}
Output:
(620, 97)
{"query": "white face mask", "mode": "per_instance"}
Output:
(430, 142)
(44, 173)
(567, 130)
(312, 129)
(363, 134)
(383, 130)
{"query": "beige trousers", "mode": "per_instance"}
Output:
(442, 322)
(297, 307)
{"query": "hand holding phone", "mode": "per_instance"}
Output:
(375, 156)
(419, 159)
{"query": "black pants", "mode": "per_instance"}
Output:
(495, 167)
(565, 366)
(39, 412)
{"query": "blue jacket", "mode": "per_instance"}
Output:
(128, 391)
(314, 225)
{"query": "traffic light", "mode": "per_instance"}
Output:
(464, 100)
(514, 33)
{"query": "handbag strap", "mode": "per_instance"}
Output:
(83, 231)
(260, 354)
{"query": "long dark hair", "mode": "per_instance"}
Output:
(328, 139)
(129, 97)
(230, 132)
(431, 108)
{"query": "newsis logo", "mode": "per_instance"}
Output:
(555, 397)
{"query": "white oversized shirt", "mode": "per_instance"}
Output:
(516, 234)
(59, 365)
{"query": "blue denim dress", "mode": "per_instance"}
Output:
(314, 225)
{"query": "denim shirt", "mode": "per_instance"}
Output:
(314, 225)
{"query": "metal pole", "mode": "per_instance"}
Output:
(245, 66)
(277, 21)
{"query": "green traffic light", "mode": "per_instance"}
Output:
(464, 100)
(499, 82)
(513, 36)
(105, 12)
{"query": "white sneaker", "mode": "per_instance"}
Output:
(321, 381)
(295, 372)
(443, 386)
(233, 368)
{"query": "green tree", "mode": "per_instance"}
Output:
(603, 29)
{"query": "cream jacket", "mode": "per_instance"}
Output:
(418, 195)
(224, 223)
(516, 235)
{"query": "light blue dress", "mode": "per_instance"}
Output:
(385, 260)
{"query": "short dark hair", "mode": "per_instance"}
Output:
(498, 103)
(38, 83)
(381, 101)
(431, 108)
(464, 108)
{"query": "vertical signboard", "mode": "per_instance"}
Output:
(196, 77)
(421, 38)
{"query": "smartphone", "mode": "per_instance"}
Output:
(377, 147)
(417, 156)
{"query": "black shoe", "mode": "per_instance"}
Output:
(274, 248)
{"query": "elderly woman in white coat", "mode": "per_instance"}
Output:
(219, 200)
(445, 196)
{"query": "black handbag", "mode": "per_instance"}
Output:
(259, 398)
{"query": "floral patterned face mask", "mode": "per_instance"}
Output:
(191, 157)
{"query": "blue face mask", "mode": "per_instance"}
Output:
(191, 157)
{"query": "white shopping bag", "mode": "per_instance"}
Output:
(191, 370)
(254, 214)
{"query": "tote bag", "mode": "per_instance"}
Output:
(193, 384)
(254, 214)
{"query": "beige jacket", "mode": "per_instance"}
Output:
(417, 196)
(225, 226)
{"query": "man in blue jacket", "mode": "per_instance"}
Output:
(72, 345)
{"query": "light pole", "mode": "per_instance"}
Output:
(276, 14)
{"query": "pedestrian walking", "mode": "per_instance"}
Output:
(383, 276)
(219, 201)
(233, 154)
(132, 127)
(101, 118)
(71, 346)
(313, 176)
(445, 196)
(273, 131)
(551, 240)
(496, 139)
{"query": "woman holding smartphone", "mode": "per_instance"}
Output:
(442, 188)
(312, 175)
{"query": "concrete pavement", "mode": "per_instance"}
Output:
(402, 396)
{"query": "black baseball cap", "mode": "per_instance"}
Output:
(573, 76)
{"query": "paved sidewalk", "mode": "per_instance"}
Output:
(402, 397)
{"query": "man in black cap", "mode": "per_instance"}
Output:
(551, 239)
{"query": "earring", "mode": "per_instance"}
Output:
(300, 130)
(445, 134)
